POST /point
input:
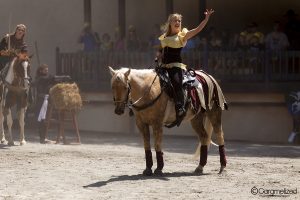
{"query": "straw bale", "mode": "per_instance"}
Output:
(66, 96)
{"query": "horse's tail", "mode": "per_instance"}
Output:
(208, 127)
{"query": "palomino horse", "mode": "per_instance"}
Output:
(153, 107)
(14, 91)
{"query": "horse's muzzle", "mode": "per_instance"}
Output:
(119, 110)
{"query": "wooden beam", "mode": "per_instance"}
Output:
(169, 7)
(87, 11)
(122, 17)
(202, 9)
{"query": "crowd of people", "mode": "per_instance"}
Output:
(284, 35)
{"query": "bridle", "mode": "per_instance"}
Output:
(26, 79)
(131, 105)
(124, 102)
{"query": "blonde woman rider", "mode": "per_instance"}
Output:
(172, 41)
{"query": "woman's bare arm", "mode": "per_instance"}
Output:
(196, 30)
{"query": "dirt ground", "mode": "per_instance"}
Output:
(109, 166)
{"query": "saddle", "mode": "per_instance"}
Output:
(191, 82)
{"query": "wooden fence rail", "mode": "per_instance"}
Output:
(236, 70)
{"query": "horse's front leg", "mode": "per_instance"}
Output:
(9, 122)
(157, 131)
(2, 135)
(144, 129)
(21, 117)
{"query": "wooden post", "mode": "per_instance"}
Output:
(122, 18)
(87, 11)
(58, 61)
(75, 124)
(169, 7)
(202, 9)
(61, 118)
(61, 123)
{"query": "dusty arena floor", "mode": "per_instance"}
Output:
(109, 166)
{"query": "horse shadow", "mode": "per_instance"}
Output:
(4, 146)
(164, 177)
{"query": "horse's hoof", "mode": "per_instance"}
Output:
(3, 141)
(199, 170)
(10, 143)
(147, 172)
(222, 169)
(23, 142)
(158, 172)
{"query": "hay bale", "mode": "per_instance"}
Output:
(66, 96)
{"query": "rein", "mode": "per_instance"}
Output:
(133, 105)
(139, 108)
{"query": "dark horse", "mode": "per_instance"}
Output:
(14, 91)
(153, 107)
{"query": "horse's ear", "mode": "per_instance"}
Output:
(112, 71)
(126, 74)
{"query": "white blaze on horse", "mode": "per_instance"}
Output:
(141, 89)
(14, 91)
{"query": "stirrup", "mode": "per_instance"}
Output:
(180, 114)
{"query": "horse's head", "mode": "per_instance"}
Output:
(120, 88)
(22, 71)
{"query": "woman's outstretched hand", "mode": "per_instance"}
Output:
(208, 12)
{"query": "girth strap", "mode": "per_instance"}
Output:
(139, 108)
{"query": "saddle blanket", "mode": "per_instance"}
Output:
(204, 94)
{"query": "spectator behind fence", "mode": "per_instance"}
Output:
(254, 38)
(250, 38)
(119, 41)
(133, 43)
(239, 40)
(276, 40)
(106, 43)
(191, 44)
(292, 29)
(255, 44)
(214, 40)
(153, 42)
(89, 39)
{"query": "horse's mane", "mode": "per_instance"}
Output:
(137, 72)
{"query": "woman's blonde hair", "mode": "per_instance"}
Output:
(167, 29)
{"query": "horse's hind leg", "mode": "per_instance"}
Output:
(2, 135)
(204, 137)
(215, 117)
(21, 117)
(157, 131)
(144, 129)
(9, 122)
